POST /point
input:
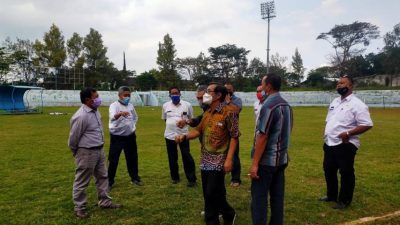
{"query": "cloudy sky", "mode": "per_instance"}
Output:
(136, 26)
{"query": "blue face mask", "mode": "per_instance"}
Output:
(125, 100)
(175, 99)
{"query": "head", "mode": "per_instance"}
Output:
(345, 85)
(175, 95)
(90, 97)
(271, 83)
(229, 88)
(259, 93)
(201, 89)
(216, 93)
(124, 94)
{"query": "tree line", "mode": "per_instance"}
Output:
(54, 62)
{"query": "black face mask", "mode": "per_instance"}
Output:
(343, 91)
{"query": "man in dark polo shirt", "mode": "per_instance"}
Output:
(270, 154)
(86, 140)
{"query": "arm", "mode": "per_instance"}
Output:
(364, 123)
(135, 115)
(77, 129)
(194, 122)
(189, 136)
(233, 126)
(259, 148)
(228, 165)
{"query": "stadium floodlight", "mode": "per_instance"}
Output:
(267, 13)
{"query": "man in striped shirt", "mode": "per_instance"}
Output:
(270, 154)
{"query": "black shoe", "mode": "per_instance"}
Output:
(191, 184)
(340, 205)
(175, 181)
(230, 222)
(326, 199)
(137, 182)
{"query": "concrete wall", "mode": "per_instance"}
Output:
(377, 98)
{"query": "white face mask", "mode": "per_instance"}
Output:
(207, 99)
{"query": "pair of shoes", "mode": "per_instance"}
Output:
(81, 214)
(326, 199)
(111, 206)
(340, 205)
(137, 182)
(235, 184)
(191, 184)
(175, 181)
(230, 222)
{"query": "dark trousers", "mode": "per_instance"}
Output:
(340, 157)
(236, 168)
(128, 144)
(272, 182)
(214, 194)
(187, 159)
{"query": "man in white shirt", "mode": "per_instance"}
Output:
(122, 124)
(172, 112)
(259, 102)
(347, 118)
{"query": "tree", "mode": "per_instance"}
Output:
(168, 75)
(391, 54)
(75, 51)
(392, 38)
(255, 72)
(298, 69)
(94, 50)
(22, 54)
(202, 73)
(277, 66)
(54, 47)
(345, 37)
(5, 62)
(319, 78)
(147, 80)
(228, 62)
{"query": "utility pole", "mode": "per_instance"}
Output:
(267, 13)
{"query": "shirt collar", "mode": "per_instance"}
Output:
(87, 108)
(348, 98)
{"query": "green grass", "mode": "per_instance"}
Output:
(37, 170)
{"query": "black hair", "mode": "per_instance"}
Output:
(170, 89)
(201, 87)
(348, 77)
(86, 93)
(222, 90)
(274, 80)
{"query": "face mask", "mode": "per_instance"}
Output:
(207, 99)
(175, 99)
(125, 100)
(259, 96)
(96, 103)
(343, 91)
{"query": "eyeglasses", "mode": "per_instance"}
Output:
(208, 91)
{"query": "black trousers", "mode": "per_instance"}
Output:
(187, 159)
(214, 194)
(340, 157)
(236, 168)
(272, 183)
(128, 144)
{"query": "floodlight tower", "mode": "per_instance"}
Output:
(267, 13)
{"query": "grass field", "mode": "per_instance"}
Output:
(37, 170)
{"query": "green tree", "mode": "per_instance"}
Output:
(392, 38)
(255, 72)
(146, 81)
(54, 47)
(166, 60)
(228, 62)
(278, 66)
(75, 51)
(5, 62)
(94, 50)
(22, 54)
(294, 79)
(319, 77)
(391, 53)
(344, 39)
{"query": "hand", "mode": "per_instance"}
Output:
(179, 138)
(124, 114)
(345, 137)
(181, 123)
(228, 166)
(253, 172)
(227, 99)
